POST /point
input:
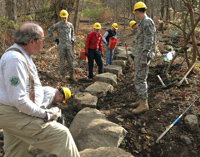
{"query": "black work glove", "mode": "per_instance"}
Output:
(72, 41)
(86, 54)
(101, 54)
(144, 61)
(57, 40)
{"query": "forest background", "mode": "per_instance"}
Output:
(180, 15)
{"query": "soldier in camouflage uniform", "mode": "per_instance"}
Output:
(143, 52)
(65, 39)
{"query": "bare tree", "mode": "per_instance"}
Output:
(57, 10)
(167, 10)
(11, 9)
(76, 16)
(191, 35)
(161, 15)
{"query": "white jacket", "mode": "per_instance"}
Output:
(14, 83)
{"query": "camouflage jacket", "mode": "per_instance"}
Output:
(65, 32)
(145, 41)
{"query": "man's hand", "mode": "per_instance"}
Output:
(86, 54)
(57, 40)
(52, 114)
(101, 54)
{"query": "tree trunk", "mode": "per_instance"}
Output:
(76, 16)
(167, 11)
(11, 9)
(57, 10)
(124, 14)
(161, 16)
(193, 34)
(82, 5)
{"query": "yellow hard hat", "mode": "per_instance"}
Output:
(131, 23)
(115, 25)
(63, 13)
(67, 93)
(139, 5)
(97, 25)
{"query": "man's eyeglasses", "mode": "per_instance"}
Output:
(42, 38)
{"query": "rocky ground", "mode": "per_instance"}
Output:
(143, 129)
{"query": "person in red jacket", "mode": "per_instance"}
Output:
(94, 49)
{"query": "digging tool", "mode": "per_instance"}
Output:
(61, 119)
(159, 138)
(186, 80)
(181, 81)
(128, 61)
(163, 84)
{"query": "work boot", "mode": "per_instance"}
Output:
(63, 79)
(71, 77)
(142, 107)
(135, 104)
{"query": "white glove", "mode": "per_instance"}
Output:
(53, 113)
(54, 110)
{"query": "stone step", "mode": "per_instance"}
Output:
(115, 69)
(84, 99)
(107, 78)
(121, 63)
(99, 89)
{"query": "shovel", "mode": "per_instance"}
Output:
(175, 83)
(128, 61)
(164, 86)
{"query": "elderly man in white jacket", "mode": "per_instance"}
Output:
(23, 120)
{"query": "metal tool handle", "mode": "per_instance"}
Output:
(181, 81)
(161, 81)
(176, 120)
(126, 48)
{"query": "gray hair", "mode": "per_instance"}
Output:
(26, 32)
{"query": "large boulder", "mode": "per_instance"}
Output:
(105, 152)
(91, 129)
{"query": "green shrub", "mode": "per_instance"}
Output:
(94, 13)
(7, 26)
(44, 14)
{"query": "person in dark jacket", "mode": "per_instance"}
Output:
(106, 37)
(94, 49)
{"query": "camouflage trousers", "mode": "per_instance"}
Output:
(140, 78)
(65, 52)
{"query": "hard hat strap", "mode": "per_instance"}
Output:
(60, 90)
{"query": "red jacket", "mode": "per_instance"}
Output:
(93, 42)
